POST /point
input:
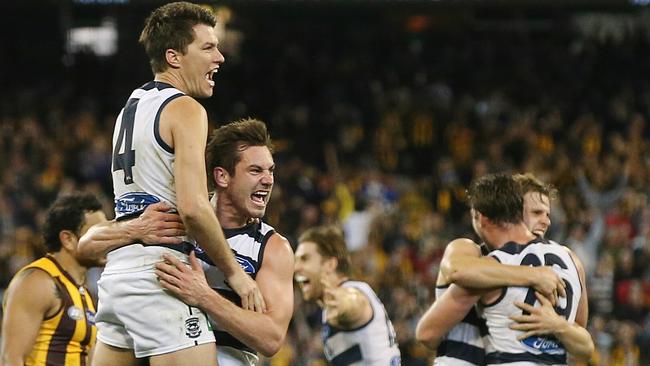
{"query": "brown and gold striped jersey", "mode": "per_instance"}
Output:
(65, 338)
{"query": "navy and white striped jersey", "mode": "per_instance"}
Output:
(142, 162)
(371, 344)
(248, 244)
(143, 171)
(502, 346)
(463, 345)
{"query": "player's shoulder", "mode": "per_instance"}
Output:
(279, 243)
(556, 246)
(462, 245)
(31, 276)
(359, 285)
(32, 284)
(184, 106)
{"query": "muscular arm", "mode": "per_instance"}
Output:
(463, 265)
(444, 314)
(580, 336)
(264, 332)
(154, 226)
(544, 320)
(188, 125)
(346, 307)
(29, 299)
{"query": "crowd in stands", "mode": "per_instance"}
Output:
(381, 130)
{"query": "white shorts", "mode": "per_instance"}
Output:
(229, 356)
(135, 312)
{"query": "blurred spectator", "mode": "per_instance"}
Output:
(402, 125)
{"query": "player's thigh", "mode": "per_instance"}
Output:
(201, 355)
(105, 355)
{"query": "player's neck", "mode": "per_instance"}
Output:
(70, 265)
(517, 233)
(338, 278)
(228, 215)
(171, 78)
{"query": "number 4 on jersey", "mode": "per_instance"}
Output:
(126, 159)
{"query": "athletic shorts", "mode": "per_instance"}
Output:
(135, 312)
(229, 356)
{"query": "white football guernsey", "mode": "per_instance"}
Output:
(143, 169)
(371, 344)
(463, 345)
(502, 346)
(248, 244)
(134, 311)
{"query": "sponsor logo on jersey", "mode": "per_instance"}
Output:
(245, 264)
(75, 313)
(192, 327)
(133, 202)
(544, 344)
(90, 317)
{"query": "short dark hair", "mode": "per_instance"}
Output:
(499, 197)
(530, 183)
(228, 141)
(330, 243)
(67, 213)
(170, 26)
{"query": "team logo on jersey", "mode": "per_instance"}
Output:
(75, 313)
(245, 264)
(133, 202)
(544, 344)
(192, 327)
(396, 361)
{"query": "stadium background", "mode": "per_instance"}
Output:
(382, 113)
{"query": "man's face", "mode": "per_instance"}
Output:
(308, 270)
(201, 61)
(251, 186)
(537, 213)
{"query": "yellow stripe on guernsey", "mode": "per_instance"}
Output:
(65, 338)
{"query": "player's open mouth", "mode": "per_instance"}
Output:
(209, 75)
(301, 280)
(259, 197)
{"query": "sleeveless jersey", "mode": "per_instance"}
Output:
(248, 244)
(65, 338)
(371, 344)
(463, 345)
(142, 162)
(142, 168)
(502, 346)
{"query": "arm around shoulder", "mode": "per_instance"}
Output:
(463, 265)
